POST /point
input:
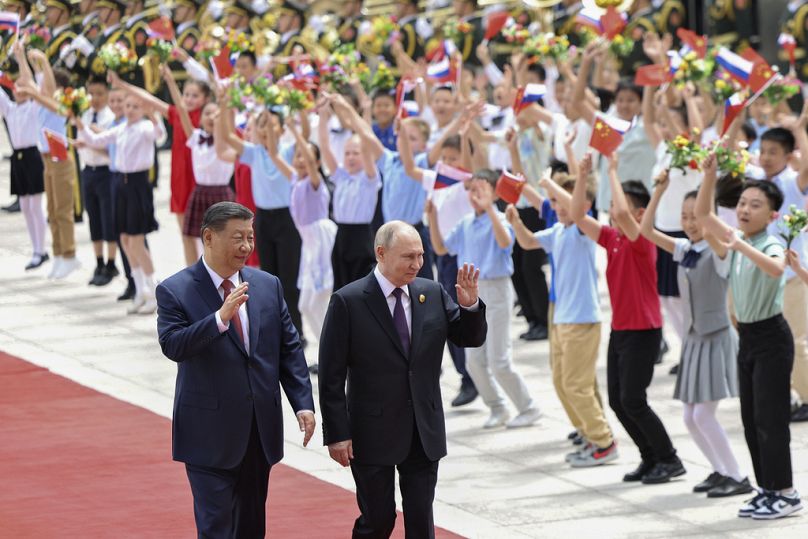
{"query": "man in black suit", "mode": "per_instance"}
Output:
(385, 335)
(234, 352)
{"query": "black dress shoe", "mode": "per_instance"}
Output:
(112, 271)
(104, 278)
(639, 472)
(712, 480)
(572, 435)
(536, 333)
(14, 207)
(800, 414)
(37, 261)
(578, 439)
(314, 369)
(674, 370)
(466, 395)
(662, 472)
(96, 274)
(730, 487)
(129, 293)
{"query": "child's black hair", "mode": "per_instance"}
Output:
(203, 86)
(62, 77)
(557, 166)
(606, 98)
(96, 79)
(781, 136)
(773, 193)
(728, 191)
(538, 70)
(382, 93)
(691, 194)
(628, 85)
(637, 193)
(749, 132)
(487, 175)
(250, 55)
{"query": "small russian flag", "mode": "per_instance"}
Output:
(590, 17)
(448, 176)
(10, 20)
(410, 109)
(732, 108)
(789, 44)
(530, 93)
(440, 71)
(739, 68)
(674, 61)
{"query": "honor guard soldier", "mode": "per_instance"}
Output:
(565, 22)
(237, 16)
(640, 20)
(110, 14)
(7, 37)
(85, 20)
(289, 25)
(87, 28)
(413, 32)
(732, 23)
(351, 18)
(136, 32)
(57, 18)
(795, 22)
(184, 14)
(466, 11)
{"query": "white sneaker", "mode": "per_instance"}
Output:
(57, 264)
(581, 451)
(137, 303)
(595, 456)
(524, 419)
(778, 506)
(149, 306)
(497, 419)
(68, 266)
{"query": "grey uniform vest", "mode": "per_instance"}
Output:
(705, 292)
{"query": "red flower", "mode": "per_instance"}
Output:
(693, 164)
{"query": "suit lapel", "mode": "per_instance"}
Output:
(253, 317)
(417, 313)
(378, 307)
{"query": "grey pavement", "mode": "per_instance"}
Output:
(500, 483)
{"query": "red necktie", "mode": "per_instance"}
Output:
(227, 285)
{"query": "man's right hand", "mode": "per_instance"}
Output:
(235, 300)
(342, 452)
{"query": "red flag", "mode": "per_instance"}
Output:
(693, 40)
(606, 138)
(789, 44)
(496, 22)
(752, 55)
(6, 81)
(517, 102)
(57, 145)
(762, 76)
(161, 28)
(732, 108)
(652, 75)
(222, 67)
(509, 187)
(612, 23)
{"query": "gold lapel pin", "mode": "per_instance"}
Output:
(422, 298)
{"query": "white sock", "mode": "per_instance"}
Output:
(148, 284)
(137, 276)
(712, 431)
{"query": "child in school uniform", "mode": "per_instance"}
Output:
(485, 239)
(636, 321)
(134, 204)
(195, 94)
(356, 190)
(576, 330)
(766, 345)
(707, 373)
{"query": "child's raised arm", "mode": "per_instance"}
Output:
(324, 138)
(663, 241)
(435, 237)
(705, 201)
(226, 137)
(360, 127)
(578, 204)
(176, 97)
(404, 151)
(270, 141)
(308, 156)
(622, 211)
(151, 101)
(524, 236)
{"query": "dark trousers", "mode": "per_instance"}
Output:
(279, 254)
(232, 503)
(528, 277)
(98, 201)
(429, 255)
(629, 368)
(765, 358)
(447, 276)
(352, 257)
(417, 476)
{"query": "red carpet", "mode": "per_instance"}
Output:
(77, 463)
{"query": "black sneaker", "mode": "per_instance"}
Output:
(129, 293)
(639, 472)
(753, 504)
(104, 278)
(777, 506)
(674, 370)
(662, 472)
(112, 271)
(712, 480)
(578, 440)
(466, 395)
(572, 435)
(536, 333)
(96, 274)
(800, 414)
(730, 487)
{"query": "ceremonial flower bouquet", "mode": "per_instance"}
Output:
(296, 99)
(383, 31)
(207, 49)
(239, 94)
(692, 68)
(685, 153)
(782, 90)
(266, 92)
(546, 46)
(795, 222)
(72, 101)
(383, 78)
(239, 42)
(160, 48)
(516, 33)
(340, 65)
(363, 74)
(457, 31)
(724, 87)
(118, 57)
(37, 36)
(621, 46)
(731, 162)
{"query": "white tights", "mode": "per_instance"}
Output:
(31, 207)
(710, 437)
(313, 306)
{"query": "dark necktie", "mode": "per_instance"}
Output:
(95, 117)
(227, 285)
(205, 140)
(400, 321)
(690, 259)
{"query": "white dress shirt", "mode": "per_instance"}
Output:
(89, 155)
(208, 168)
(134, 144)
(242, 310)
(19, 117)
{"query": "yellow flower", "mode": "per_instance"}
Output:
(721, 84)
(618, 39)
(544, 49)
(690, 56)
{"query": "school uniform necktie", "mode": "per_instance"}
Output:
(95, 117)
(690, 259)
(400, 321)
(227, 286)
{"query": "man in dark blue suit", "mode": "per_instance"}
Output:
(234, 352)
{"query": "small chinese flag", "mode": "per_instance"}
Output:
(509, 187)
(762, 76)
(57, 145)
(222, 67)
(652, 75)
(496, 22)
(612, 23)
(6, 81)
(693, 40)
(607, 134)
(789, 44)
(161, 28)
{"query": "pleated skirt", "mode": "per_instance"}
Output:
(708, 369)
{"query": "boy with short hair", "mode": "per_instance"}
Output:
(383, 111)
(636, 320)
(485, 239)
(575, 338)
(766, 347)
